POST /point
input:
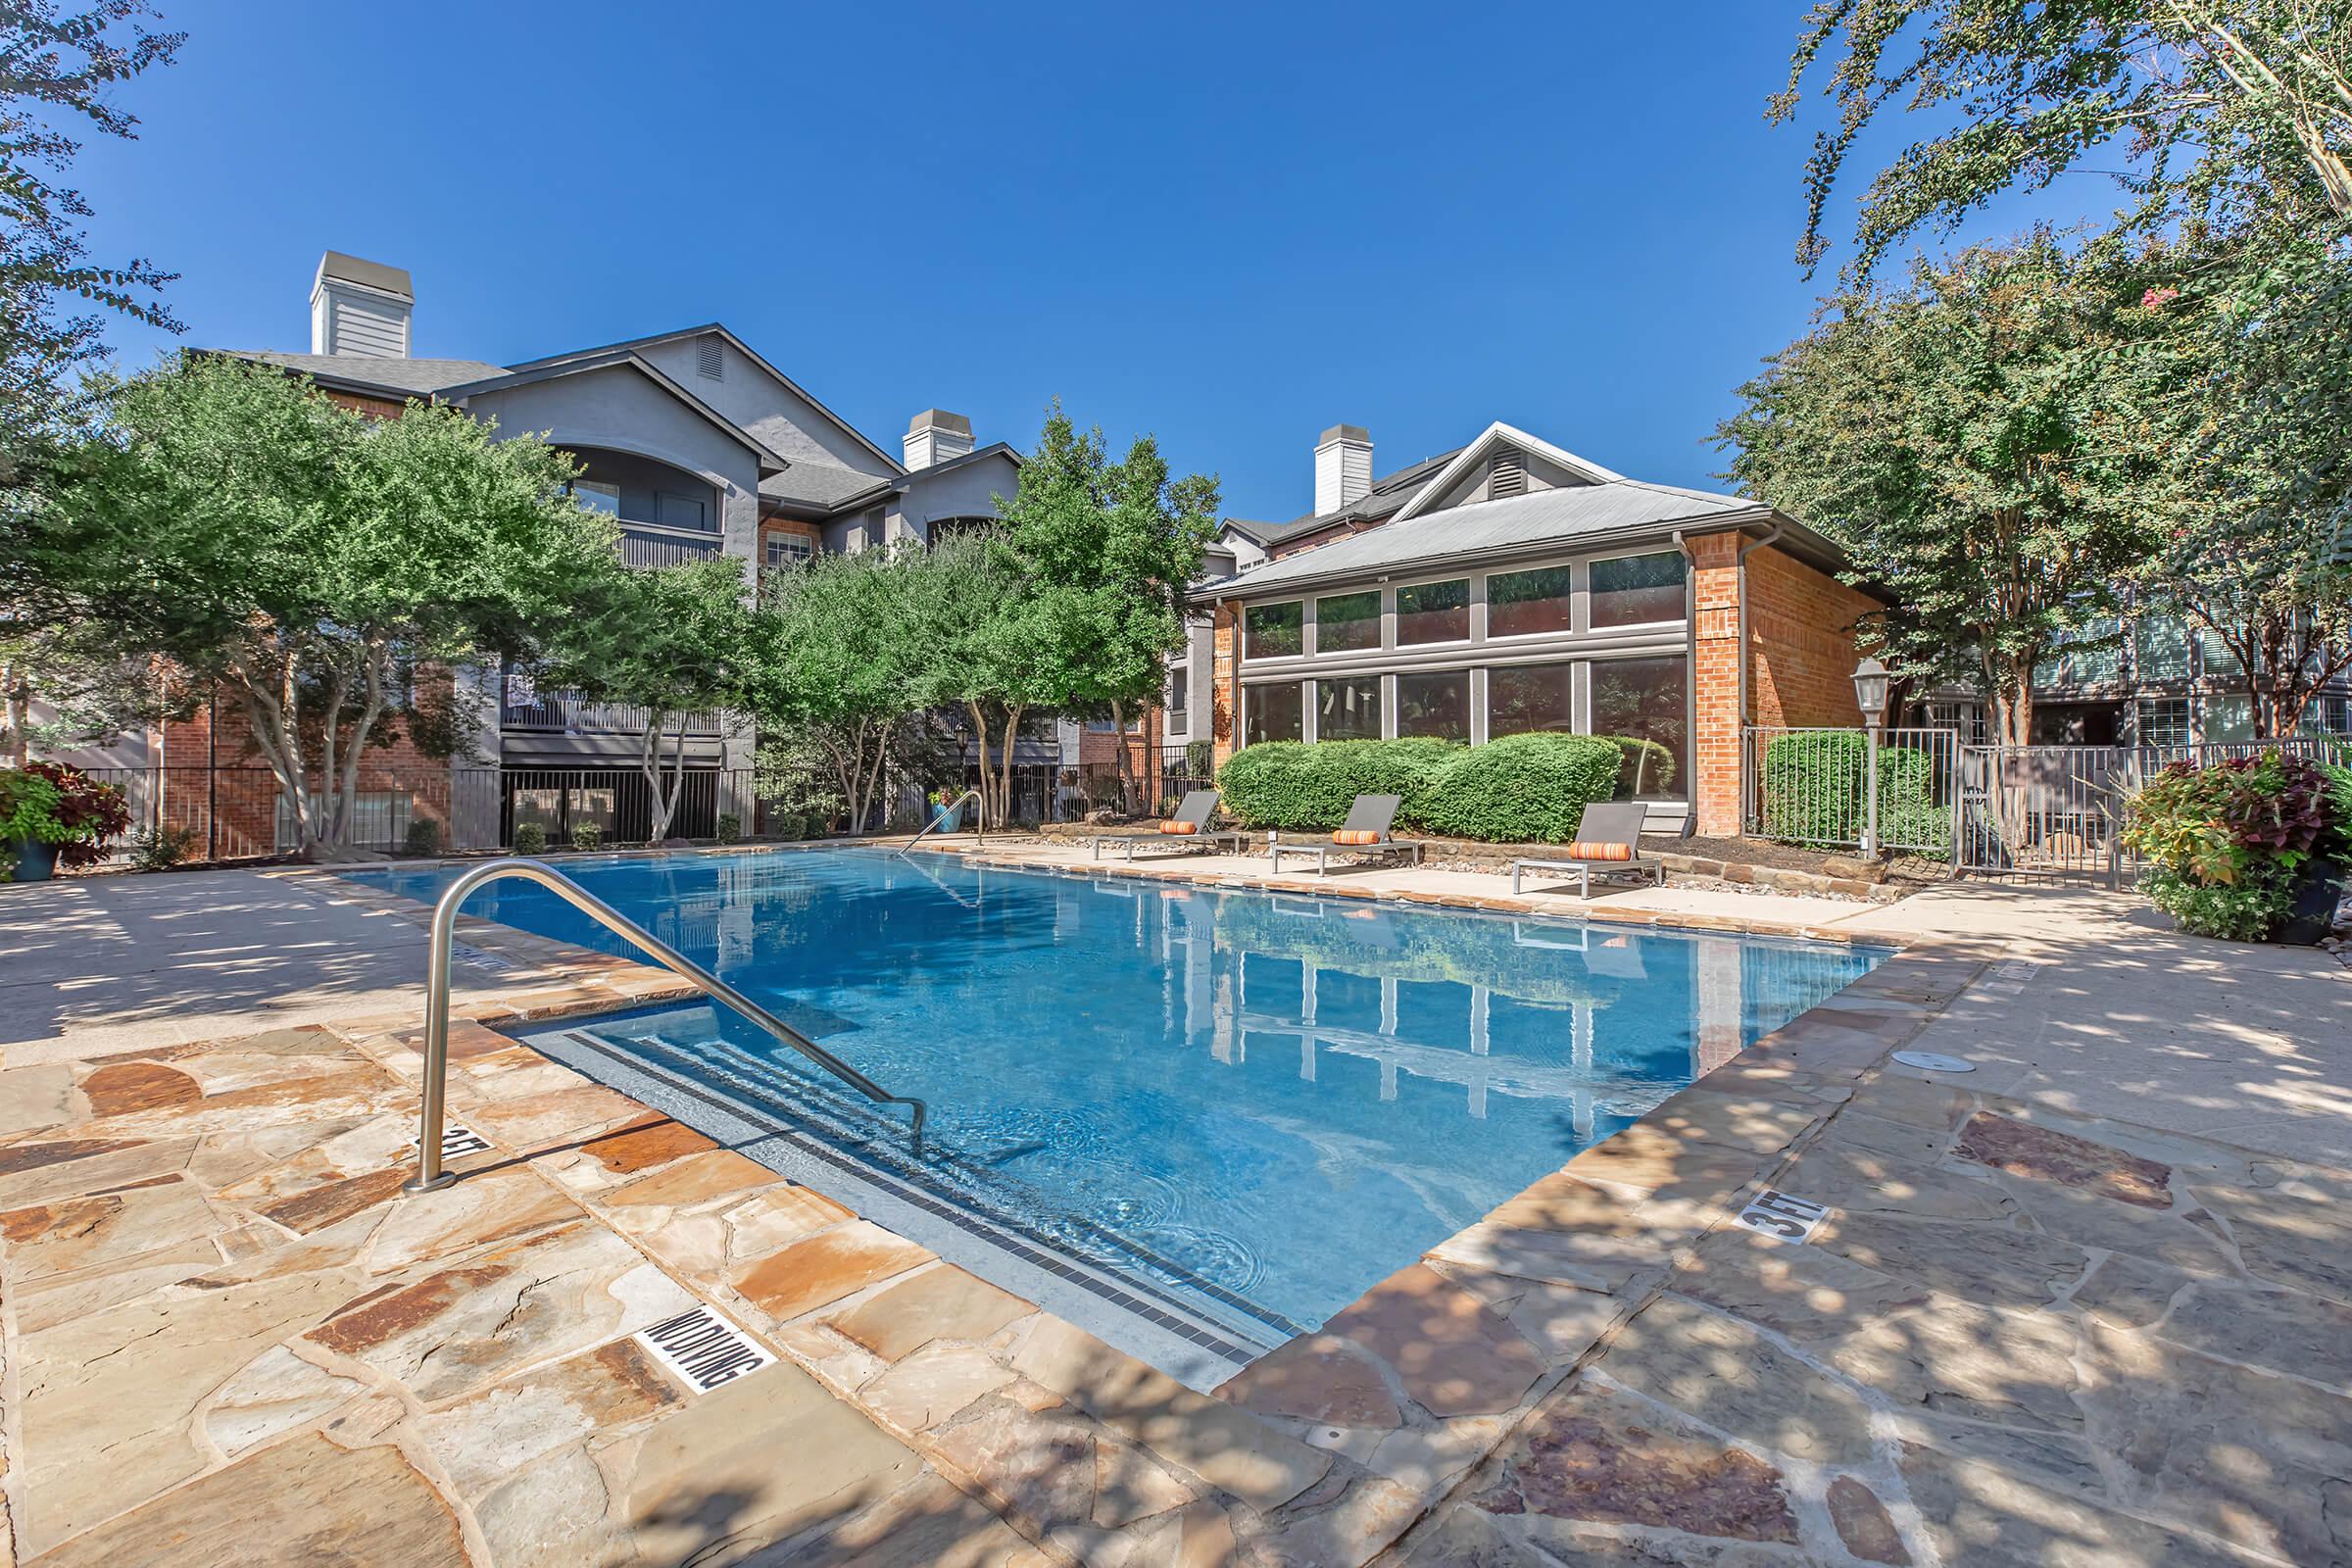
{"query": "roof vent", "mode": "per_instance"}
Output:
(1506, 475)
(710, 358)
(361, 307)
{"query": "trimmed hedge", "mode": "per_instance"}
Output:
(1290, 784)
(1519, 790)
(1813, 785)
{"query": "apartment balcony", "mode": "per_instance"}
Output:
(566, 713)
(651, 544)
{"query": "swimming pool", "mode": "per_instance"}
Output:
(1245, 1107)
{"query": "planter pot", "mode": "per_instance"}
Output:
(36, 862)
(2313, 913)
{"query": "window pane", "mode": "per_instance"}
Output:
(1434, 705)
(1633, 590)
(2164, 721)
(2228, 716)
(1348, 621)
(1434, 611)
(596, 495)
(1273, 713)
(2161, 649)
(1347, 710)
(1273, 631)
(1643, 699)
(1521, 698)
(1523, 602)
(1180, 694)
(2220, 661)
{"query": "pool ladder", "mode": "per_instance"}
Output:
(430, 1177)
(979, 832)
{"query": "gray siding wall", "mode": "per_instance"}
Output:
(756, 401)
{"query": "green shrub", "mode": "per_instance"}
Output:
(2225, 844)
(730, 827)
(1814, 784)
(587, 836)
(530, 838)
(1290, 784)
(1521, 789)
(161, 847)
(424, 837)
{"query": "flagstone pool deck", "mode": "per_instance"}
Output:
(2090, 1304)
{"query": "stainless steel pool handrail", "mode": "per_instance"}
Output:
(429, 1175)
(979, 833)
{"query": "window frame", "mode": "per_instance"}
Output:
(1592, 595)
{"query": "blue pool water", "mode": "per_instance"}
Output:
(1270, 1100)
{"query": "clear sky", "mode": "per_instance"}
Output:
(1231, 225)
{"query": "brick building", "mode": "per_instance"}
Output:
(696, 446)
(1511, 586)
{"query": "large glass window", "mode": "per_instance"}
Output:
(1434, 705)
(1645, 701)
(789, 550)
(1637, 590)
(1347, 710)
(1519, 603)
(1523, 698)
(1273, 713)
(2228, 717)
(2220, 662)
(2160, 648)
(1348, 621)
(1273, 631)
(596, 495)
(1434, 611)
(1180, 696)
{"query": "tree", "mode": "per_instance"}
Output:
(1979, 441)
(843, 645)
(2230, 112)
(998, 654)
(1103, 554)
(257, 539)
(673, 641)
(2256, 543)
(1156, 531)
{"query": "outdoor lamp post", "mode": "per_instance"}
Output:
(1870, 695)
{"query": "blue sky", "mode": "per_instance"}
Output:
(1228, 226)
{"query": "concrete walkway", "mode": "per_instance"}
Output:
(2087, 1304)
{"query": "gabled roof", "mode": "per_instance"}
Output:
(770, 461)
(397, 378)
(1386, 497)
(1497, 434)
(1523, 524)
(741, 347)
(843, 489)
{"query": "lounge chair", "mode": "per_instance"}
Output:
(1365, 833)
(1185, 833)
(1607, 845)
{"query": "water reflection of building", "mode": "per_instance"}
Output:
(1211, 994)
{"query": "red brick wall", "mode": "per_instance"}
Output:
(1715, 683)
(1800, 627)
(1224, 640)
(373, 407)
(1321, 536)
(774, 525)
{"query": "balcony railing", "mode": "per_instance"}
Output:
(564, 714)
(647, 544)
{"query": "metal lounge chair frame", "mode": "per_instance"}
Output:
(1371, 813)
(1617, 823)
(1197, 808)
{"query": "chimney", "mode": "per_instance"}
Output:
(934, 437)
(1342, 467)
(359, 308)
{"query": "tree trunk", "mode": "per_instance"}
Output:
(1125, 764)
(19, 716)
(990, 816)
(1013, 724)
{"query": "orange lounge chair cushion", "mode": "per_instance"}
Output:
(1355, 835)
(1600, 852)
(1178, 829)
